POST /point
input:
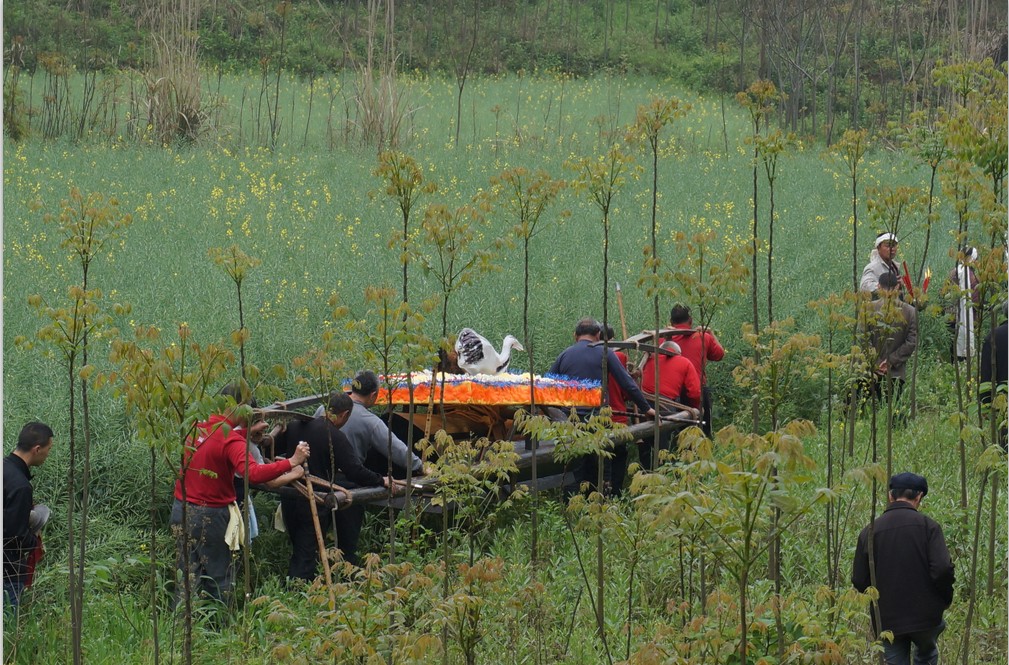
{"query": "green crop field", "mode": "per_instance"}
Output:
(316, 216)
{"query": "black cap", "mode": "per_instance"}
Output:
(909, 481)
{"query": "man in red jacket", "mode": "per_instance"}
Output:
(698, 347)
(206, 490)
(678, 381)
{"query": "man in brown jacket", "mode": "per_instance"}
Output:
(893, 334)
(912, 571)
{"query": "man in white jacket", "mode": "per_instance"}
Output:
(882, 260)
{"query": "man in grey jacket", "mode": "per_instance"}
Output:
(368, 433)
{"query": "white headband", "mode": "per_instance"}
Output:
(883, 237)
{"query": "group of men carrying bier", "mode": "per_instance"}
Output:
(677, 371)
(344, 441)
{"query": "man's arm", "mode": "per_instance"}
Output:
(556, 367)
(902, 353)
(17, 510)
(235, 449)
(692, 385)
(940, 566)
(296, 473)
(349, 462)
(860, 578)
(869, 283)
(380, 439)
(712, 349)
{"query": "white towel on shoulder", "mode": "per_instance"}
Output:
(234, 534)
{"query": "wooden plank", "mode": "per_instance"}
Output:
(648, 336)
(635, 346)
(338, 499)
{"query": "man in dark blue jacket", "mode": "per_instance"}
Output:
(582, 361)
(22, 518)
(913, 573)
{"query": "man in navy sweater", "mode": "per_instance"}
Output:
(582, 361)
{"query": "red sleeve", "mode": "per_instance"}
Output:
(692, 383)
(258, 473)
(712, 348)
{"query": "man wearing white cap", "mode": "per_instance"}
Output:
(882, 259)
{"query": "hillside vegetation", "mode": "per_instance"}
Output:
(841, 64)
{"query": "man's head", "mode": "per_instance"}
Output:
(909, 487)
(886, 245)
(588, 328)
(680, 314)
(242, 394)
(339, 408)
(34, 443)
(888, 282)
(364, 387)
(607, 333)
(672, 347)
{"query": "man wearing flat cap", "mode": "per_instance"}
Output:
(912, 573)
(882, 260)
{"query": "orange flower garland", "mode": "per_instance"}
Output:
(493, 390)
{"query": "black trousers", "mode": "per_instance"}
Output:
(706, 410)
(304, 561)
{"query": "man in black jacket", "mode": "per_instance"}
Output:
(22, 518)
(913, 573)
(332, 458)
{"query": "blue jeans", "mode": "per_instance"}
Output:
(926, 651)
(12, 592)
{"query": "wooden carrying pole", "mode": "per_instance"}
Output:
(620, 306)
(310, 495)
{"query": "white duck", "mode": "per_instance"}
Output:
(477, 356)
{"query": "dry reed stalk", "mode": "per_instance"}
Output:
(173, 84)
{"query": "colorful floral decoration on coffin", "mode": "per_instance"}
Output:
(492, 389)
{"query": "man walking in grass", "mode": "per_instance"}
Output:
(893, 333)
(23, 520)
(911, 569)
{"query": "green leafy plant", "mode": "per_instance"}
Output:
(524, 197)
(87, 224)
(734, 496)
(168, 389)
